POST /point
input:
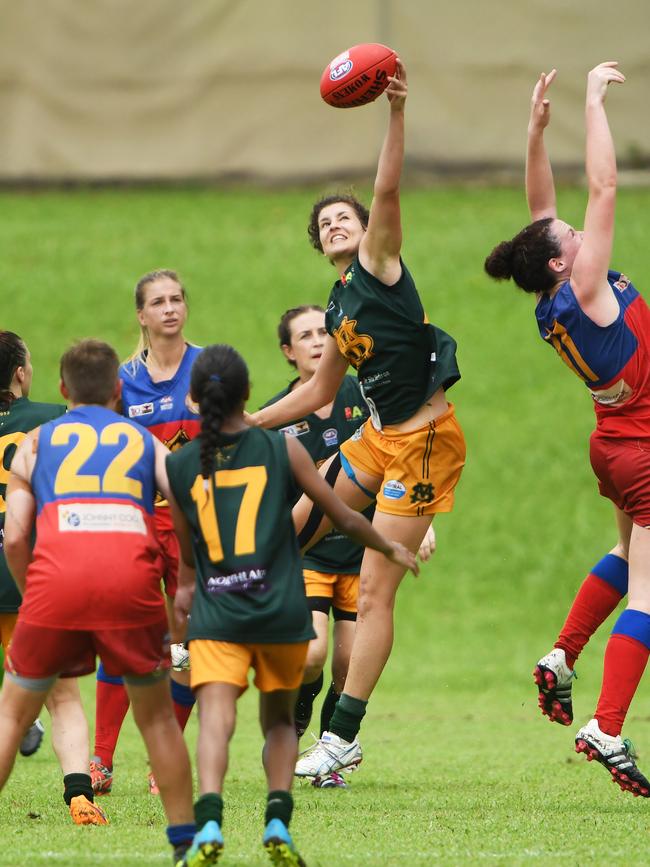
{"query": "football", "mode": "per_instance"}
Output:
(358, 76)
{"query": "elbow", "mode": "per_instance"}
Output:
(603, 186)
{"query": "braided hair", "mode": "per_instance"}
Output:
(13, 354)
(219, 384)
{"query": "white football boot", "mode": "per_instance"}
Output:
(329, 754)
(554, 680)
(614, 753)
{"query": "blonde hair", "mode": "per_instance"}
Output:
(144, 343)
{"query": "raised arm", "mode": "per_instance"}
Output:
(380, 248)
(589, 274)
(540, 189)
(344, 518)
(319, 391)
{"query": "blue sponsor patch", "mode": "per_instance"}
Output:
(394, 490)
(331, 436)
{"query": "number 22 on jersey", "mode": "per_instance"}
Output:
(114, 479)
(253, 480)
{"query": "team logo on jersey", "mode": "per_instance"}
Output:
(193, 407)
(177, 441)
(357, 348)
(100, 518)
(331, 437)
(352, 412)
(167, 402)
(347, 277)
(422, 493)
(140, 409)
(296, 430)
(622, 283)
(394, 490)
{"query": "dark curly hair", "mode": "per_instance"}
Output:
(525, 258)
(312, 229)
(219, 384)
(13, 354)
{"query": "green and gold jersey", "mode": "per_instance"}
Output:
(383, 331)
(249, 585)
(335, 554)
(16, 420)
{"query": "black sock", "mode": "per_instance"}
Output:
(328, 709)
(77, 784)
(305, 702)
(279, 805)
(209, 808)
(347, 716)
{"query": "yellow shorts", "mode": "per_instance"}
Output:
(276, 666)
(7, 626)
(420, 469)
(343, 590)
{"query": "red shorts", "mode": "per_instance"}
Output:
(622, 467)
(169, 549)
(38, 652)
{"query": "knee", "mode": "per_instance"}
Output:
(373, 599)
(315, 662)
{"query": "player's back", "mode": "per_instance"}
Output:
(94, 484)
(249, 576)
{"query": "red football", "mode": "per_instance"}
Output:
(357, 76)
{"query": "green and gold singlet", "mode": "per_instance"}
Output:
(400, 359)
(16, 420)
(249, 585)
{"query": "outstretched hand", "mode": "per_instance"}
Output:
(601, 77)
(540, 106)
(403, 557)
(397, 88)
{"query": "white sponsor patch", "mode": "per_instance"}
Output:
(394, 490)
(615, 395)
(330, 437)
(166, 402)
(296, 430)
(100, 518)
(140, 409)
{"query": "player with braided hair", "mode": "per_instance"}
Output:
(235, 487)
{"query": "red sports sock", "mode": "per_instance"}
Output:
(625, 662)
(112, 705)
(182, 712)
(594, 602)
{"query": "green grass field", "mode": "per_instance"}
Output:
(460, 767)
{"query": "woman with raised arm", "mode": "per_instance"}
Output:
(410, 453)
(599, 325)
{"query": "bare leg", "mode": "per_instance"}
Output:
(170, 762)
(373, 637)
(69, 726)
(343, 640)
(217, 717)
(19, 707)
(281, 742)
(317, 650)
